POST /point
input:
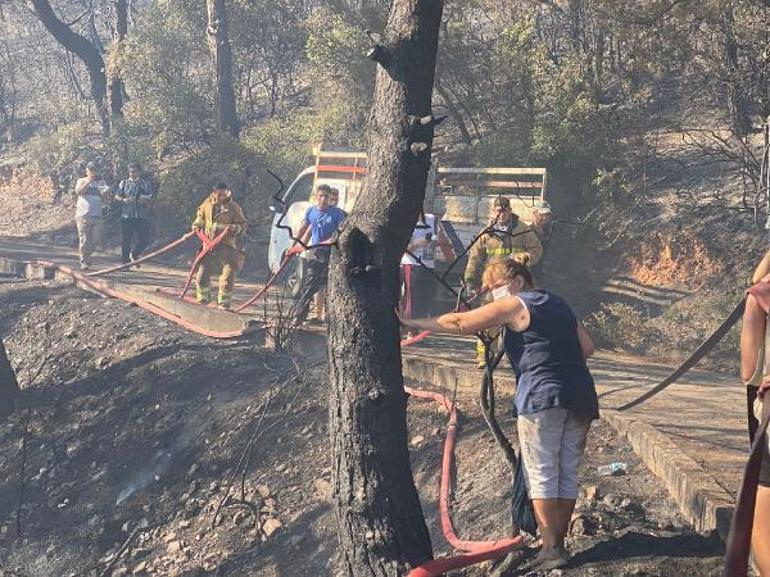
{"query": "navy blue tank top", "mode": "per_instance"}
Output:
(548, 361)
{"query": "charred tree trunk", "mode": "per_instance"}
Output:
(84, 50)
(740, 122)
(576, 25)
(455, 113)
(219, 46)
(9, 386)
(116, 85)
(380, 523)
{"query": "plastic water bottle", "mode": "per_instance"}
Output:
(612, 470)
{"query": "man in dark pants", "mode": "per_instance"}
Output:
(318, 227)
(135, 195)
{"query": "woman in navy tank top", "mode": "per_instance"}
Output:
(555, 393)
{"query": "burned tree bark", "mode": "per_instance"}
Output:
(9, 386)
(116, 85)
(219, 46)
(381, 527)
(740, 121)
(84, 50)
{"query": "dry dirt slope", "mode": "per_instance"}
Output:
(29, 207)
(134, 423)
(136, 429)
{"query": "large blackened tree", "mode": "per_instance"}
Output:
(116, 85)
(381, 527)
(85, 50)
(221, 55)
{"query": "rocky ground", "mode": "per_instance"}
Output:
(143, 450)
(624, 526)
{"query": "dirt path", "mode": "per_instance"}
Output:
(136, 429)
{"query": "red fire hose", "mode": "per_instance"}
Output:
(407, 269)
(160, 251)
(476, 551)
(102, 289)
(441, 566)
(207, 246)
(268, 284)
(415, 339)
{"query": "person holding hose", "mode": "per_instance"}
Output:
(506, 237)
(320, 297)
(219, 212)
(754, 372)
(318, 228)
(555, 392)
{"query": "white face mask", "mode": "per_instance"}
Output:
(500, 292)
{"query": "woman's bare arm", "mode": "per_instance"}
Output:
(763, 269)
(509, 311)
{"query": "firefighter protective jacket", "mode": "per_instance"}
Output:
(517, 239)
(213, 218)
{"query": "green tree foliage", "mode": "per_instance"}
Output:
(188, 183)
(341, 77)
(339, 81)
(586, 87)
(165, 65)
(63, 149)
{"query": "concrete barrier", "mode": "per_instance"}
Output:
(213, 319)
(208, 319)
(701, 499)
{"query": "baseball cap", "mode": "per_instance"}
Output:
(92, 166)
(543, 207)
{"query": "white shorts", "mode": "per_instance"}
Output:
(552, 446)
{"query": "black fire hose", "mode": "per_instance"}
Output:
(738, 546)
(699, 353)
(522, 511)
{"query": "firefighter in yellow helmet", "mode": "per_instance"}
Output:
(217, 213)
(507, 238)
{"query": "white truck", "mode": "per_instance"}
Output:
(461, 199)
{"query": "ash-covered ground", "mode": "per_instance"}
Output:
(137, 432)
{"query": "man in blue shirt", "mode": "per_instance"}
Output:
(318, 227)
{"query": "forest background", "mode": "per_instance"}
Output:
(648, 115)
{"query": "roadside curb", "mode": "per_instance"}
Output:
(202, 320)
(701, 499)
(425, 370)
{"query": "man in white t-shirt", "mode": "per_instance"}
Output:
(418, 285)
(91, 191)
